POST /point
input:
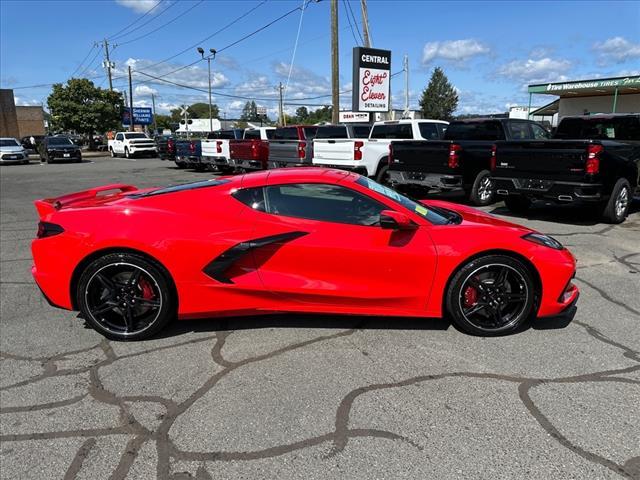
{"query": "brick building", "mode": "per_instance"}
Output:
(19, 121)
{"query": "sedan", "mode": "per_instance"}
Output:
(290, 240)
(59, 147)
(12, 152)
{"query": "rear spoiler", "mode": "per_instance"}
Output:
(50, 205)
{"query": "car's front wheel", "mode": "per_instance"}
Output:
(125, 296)
(491, 295)
(482, 191)
(126, 153)
(112, 153)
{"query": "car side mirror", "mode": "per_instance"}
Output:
(392, 220)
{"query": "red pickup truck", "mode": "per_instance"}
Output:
(252, 152)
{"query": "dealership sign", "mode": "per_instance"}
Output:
(371, 79)
(603, 83)
(351, 117)
(141, 116)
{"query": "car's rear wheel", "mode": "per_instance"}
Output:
(517, 204)
(125, 296)
(482, 191)
(617, 207)
(491, 295)
(382, 175)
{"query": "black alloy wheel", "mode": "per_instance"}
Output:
(491, 295)
(383, 177)
(125, 297)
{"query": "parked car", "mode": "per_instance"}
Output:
(252, 152)
(215, 149)
(59, 147)
(28, 146)
(166, 147)
(291, 146)
(132, 144)
(296, 240)
(370, 156)
(12, 152)
(189, 153)
(462, 160)
(592, 160)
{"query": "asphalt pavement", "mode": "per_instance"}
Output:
(322, 397)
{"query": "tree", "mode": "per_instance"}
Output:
(250, 112)
(439, 100)
(302, 114)
(164, 121)
(201, 110)
(82, 107)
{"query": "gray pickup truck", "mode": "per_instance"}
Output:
(292, 146)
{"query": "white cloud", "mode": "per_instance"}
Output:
(536, 70)
(193, 76)
(144, 91)
(140, 6)
(26, 102)
(455, 51)
(616, 50)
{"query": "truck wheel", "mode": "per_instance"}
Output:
(126, 153)
(483, 191)
(180, 164)
(517, 203)
(112, 153)
(382, 177)
(617, 208)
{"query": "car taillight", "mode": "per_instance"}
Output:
(192, 147)
(493, 159)
(454, 155)
(254, 150)
(593, 159)
(47, 229)
(390, 158)
(357, 153)
(219, 146)
(170, 146)
(301, 150)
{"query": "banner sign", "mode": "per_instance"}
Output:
(141, 116)
(351, 117)
(371, 79)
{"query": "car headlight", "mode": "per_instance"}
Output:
(544, 240)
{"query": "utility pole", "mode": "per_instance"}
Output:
(405, 67)
(108, 63)
(365, 24)
(281, 107)
(335, 64)
(155, 122)
(130, 102)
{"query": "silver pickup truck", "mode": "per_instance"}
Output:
(292, 146)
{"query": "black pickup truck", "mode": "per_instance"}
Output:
(590, 160)
(462, 160)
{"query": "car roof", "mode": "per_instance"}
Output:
(295, 175)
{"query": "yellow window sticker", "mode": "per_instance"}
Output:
(421, 210)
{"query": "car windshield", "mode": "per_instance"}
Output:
(436, 216)
(60, 141)
(9, 142)
(135, 135)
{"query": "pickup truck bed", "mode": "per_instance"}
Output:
(189, 154)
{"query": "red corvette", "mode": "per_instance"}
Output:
(290, 240)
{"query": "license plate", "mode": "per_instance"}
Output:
(12, 157)
(67, 155)
(534, 184)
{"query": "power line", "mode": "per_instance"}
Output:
(355, 21)
(353, 33)
(90, 64)
(151, 20)
(83, 60)
(210, 36)
(295, 47)
(136, 20)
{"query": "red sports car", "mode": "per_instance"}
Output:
(290, 240)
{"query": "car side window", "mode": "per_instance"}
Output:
(119, 137)
(519, 131)
(324, 203)
(428, 131)
(251, 197)
(539, 133)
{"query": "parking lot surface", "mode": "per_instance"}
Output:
(293, 396)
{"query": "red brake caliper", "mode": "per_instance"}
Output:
(147, 289)
(470, 297)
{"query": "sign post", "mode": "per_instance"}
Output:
(371, 79)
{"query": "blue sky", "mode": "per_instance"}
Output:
(489, 50)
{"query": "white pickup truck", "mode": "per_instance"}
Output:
(131, 144)
(370, 156)
(215, 149)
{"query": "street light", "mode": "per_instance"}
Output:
(208, 58)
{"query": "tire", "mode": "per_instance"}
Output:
(112, 153)
(517, 204)
(126, 153)
(48, 159)
(144, 288)
(382, 175)
(617, 207)
(479, 307)
(482, 192)
(181, 165)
